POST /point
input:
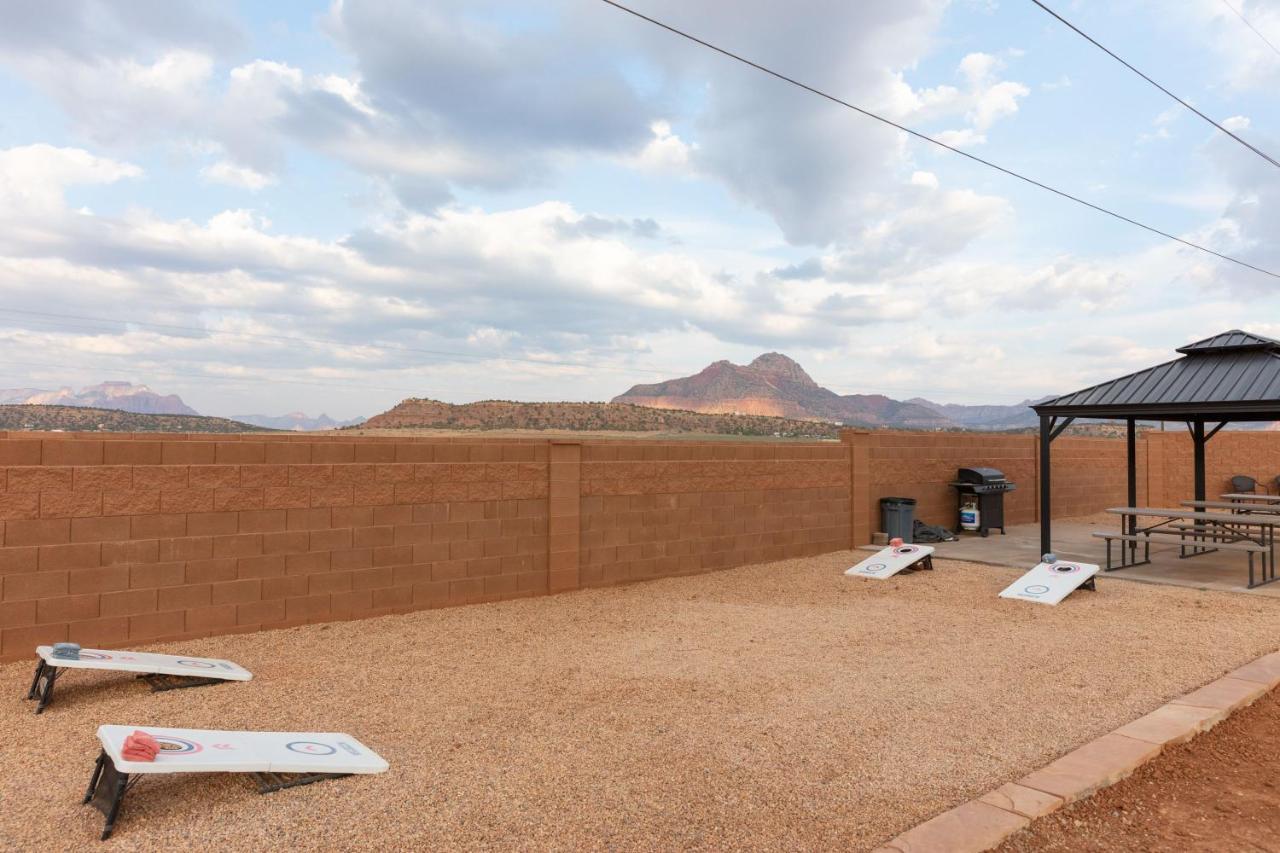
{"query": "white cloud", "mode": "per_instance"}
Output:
(665, 152)
(33, 178)
(232, 175)
(983, 101)
(1246, 61)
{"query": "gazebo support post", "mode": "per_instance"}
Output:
(1198, 439)
(1131, 446)
(1046, 436)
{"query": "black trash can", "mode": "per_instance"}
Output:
(897, 517)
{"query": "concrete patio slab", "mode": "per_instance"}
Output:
(1073, 540)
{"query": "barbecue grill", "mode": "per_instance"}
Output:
(982, 489)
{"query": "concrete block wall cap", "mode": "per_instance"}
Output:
(1226, 694)
(1172, 723)
(968, 828)
(1019, 799)
(1095, 765)
(1264, 670)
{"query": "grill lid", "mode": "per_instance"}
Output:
(979, 475)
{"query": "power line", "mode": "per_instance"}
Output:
(1113, 55)
(925, 137)
(1256, 31)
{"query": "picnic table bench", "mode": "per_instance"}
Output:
(1247, 532)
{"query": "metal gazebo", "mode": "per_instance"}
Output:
(1232, 376)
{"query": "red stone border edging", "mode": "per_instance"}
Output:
(984, 823)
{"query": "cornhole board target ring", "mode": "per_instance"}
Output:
(162, 672)
(1049, 583)
(887, 562)
(276, 760)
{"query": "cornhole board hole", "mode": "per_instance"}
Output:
(162, 672)
(887, 562)
(276, 760)
(1049, 583)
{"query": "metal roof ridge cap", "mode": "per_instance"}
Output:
(1252, 341)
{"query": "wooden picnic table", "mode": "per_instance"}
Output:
(1246, 497)
(1172, 513)
(1252, 532)
(1239, 508)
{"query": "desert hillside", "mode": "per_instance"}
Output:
(586, 417)
(83, 418)
(774, 384)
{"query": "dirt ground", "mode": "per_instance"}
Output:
(777, 706)
(1220, 791)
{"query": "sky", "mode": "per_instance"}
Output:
(315, 206)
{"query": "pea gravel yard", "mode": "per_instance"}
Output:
(778, 706)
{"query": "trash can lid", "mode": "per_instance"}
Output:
(905, 501)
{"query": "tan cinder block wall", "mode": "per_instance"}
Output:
(1089, 474)
(1230, 452)
(137, 538)
(660, 509)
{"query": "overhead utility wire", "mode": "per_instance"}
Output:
(1256, 31)
(1095, 43)
(925, 137)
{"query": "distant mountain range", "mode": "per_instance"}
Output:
(123, 396)
(139, 399)
(773, 395)
(986, 417)
(297, 421)
(615, 417)
(774, 384)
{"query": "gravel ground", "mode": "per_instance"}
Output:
(779, 706)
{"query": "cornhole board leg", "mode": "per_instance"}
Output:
(925, 565)
(107, 788)
(42, 684)
(160, 682)
(269, 782)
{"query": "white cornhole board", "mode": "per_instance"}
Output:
(211, 751)
(1050, 583)
(313, 755)
(889, 561)
(148, 664)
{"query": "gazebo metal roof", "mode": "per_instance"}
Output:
(1232, 376)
